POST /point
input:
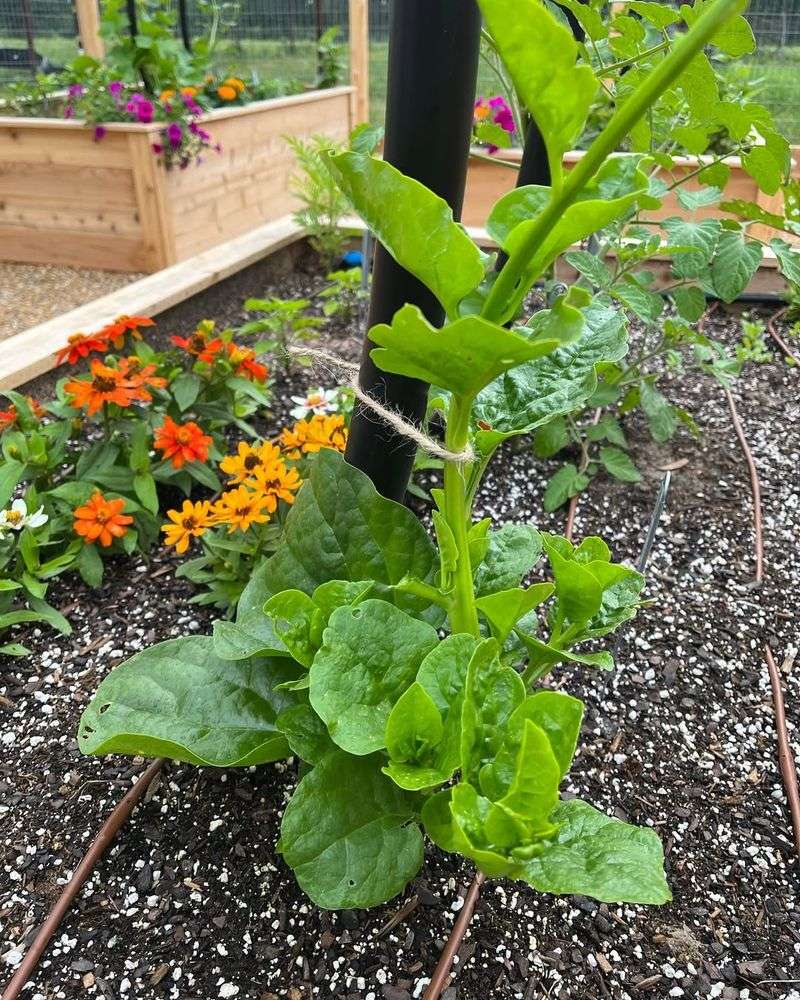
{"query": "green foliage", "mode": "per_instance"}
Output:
(323, 205)
(286, 322)
(330, 58)
(403, 729)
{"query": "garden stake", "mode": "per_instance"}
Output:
(97, 849)
(755, 486)
(441, 974)
(778, 338)
(786, 761)
(433, 71)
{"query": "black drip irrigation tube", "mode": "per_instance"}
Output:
(433, 72)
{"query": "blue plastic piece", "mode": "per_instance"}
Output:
(353, 258)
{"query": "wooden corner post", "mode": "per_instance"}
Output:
(359, 59)
(87, 14)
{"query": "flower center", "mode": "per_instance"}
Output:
(103, 383)
(102, 516)
(190, 523)
(197, 343)
(13, 517)
(184, 436)
(251, 462)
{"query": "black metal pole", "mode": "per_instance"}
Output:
(183, 21)
(433, 70)
(27, 20)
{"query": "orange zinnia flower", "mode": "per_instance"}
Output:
(182, 443)
(141, 376)
(195, 344)
(235, 83)
(166, 95)
(244, 361)
(101, 520)
(309, 436)
(81, 345)
(8, 418)
(107, 385)
(227, 93)
(211, 350)
(275, 482)
(115, 332)
(188, 523)
(189, 91)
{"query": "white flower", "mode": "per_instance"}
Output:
(317, 403)
(18, 517)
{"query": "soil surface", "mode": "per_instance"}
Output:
(192, 902)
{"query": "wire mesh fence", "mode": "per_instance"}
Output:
(278, 39)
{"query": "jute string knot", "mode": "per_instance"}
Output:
(398, 423)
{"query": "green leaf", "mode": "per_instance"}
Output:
(370, 654)
(544, 655)
(690, 301)
(660, 414)
(567, 482)
(349, 835)
(462, 357)
(204, 475)
(702, 236)
(528, 396)
(594, 855)
(734, 38)
(551, 438)
(493, 135)
(341, 528)
(443, 672)
(305, 733)
(590, 265)
(698, 82)
(645, 304)
(49, 614)
(788, 258)
(414, 725)
(179, 700)
(505, 608)
(185, 389)
(658, 14)
(614, 189)
(10, 475)
(145, 488)
(618, 463)
(15, 649)
(532, 791)
(513, 551)
(751, 212)
(366, 138)
(413, 224)
(701, 198)
(252, 634)
(90, 565)
(298, 623)
(541, 57)
(736, 261)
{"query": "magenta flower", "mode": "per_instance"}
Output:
(144, 112)
(115, 89)
(191, 104)
(99, 132)
(158, 149)
(75, 90)
(174, 134)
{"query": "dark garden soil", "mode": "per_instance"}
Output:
(192, 901)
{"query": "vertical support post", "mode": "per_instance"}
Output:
(27, 22)
(183, 23)
(87, 14)
(433, 69)
(359, 59)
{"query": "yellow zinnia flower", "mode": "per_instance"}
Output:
(309, 436)
(240, 508)
(248, 459)
(188, 523)
(276, 482)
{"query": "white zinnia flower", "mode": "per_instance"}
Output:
(18, 517)
(317, 403)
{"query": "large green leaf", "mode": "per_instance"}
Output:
(541, 55)
(341, 528)
(701, 236)
(595, 855)
(616, 187)
(734, 38)
(178, 699)
(252, 634)
(415, 225)
(514, 549)
(532, 394)
(503, 609)
(349, 835)
(736, 262)
(462, 357)
(370, 654)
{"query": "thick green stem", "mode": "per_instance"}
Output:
(517, 276)
(463, 614)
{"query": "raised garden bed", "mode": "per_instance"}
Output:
(194, 902)
(66, 199)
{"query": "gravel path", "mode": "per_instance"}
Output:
(31, 293)
(193, 903)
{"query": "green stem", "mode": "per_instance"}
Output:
(463, 614)
(510, 164)
(613, 67)
(518, 275)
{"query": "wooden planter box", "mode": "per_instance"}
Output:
(486, 182)
(66, 199)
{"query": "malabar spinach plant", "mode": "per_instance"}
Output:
(336, 654)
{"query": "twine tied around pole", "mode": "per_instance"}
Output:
(391, 417)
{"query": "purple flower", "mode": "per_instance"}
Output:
(174, 134)
(497, 102)
(505, 120)
(69, 111)
(75, 90)
(191, 104)
(115, 89)
(99, 132)
(144, 112)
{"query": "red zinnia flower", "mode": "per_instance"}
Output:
(115, 332)
(182, 443)
(81, 345)
(101, 520)
(107, 385)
